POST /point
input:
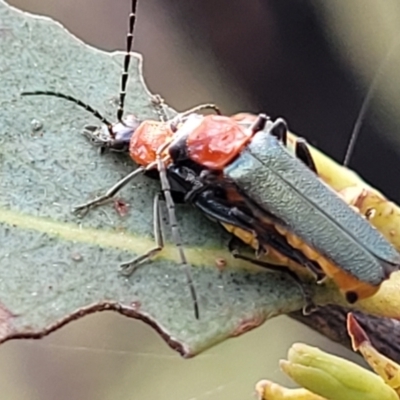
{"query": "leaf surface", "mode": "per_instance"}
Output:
(56, 267)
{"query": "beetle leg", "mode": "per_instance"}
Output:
(309, 305)
(201, 107)
(303, 153)
(279, 129)
(174, 122)
(127, 268)
(158, 103)
(278, 242)
(166, 189)
(235, 244)
(197, 188)
(98, 201)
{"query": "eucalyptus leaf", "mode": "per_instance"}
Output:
(56, 267)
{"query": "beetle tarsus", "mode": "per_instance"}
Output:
(127, 268)
(82, 209)
(98, 201)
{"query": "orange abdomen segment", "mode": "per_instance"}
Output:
(147, 139)
(248, 238)
(245, 236)
(350, 286)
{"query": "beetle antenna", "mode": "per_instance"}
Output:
(127, 60)
(80, 103)
(366, 102)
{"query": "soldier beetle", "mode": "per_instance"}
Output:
(237, 171)
(276, 188)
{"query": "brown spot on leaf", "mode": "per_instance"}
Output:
(220, 263)
(121, 207)
(248, 324)
(6, 327)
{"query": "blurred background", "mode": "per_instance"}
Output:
(311, 62)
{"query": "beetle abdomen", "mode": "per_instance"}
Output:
(315, 219)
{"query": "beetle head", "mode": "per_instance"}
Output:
(115, 137)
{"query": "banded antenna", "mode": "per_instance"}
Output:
(124, 80)
(127, 60)
(74, 100)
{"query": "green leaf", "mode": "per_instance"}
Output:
(56, 267)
